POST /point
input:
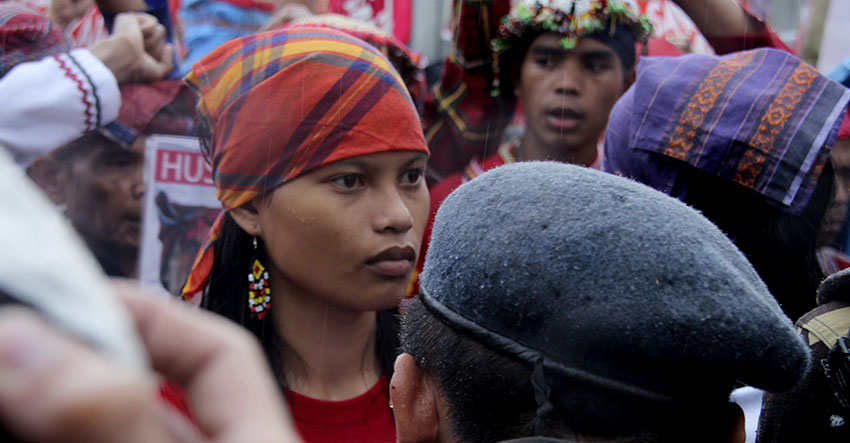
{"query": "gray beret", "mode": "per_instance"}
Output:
(835, 287)
(606, 282)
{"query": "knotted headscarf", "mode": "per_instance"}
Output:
(762, 118)
(282, 103)
(406, 61)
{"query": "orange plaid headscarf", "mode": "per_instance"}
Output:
(283, 103)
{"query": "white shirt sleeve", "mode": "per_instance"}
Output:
(53, 101)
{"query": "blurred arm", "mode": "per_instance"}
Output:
(729, 27)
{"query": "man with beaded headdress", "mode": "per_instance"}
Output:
(565, 63)
(564, 28)
(463, 121)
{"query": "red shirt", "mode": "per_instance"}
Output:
(365, 418)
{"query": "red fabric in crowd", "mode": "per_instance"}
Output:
(365, 418)
(766, 38)
(844, 130)
(402, 14)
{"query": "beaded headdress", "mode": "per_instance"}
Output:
(619, 22)
(573, 19)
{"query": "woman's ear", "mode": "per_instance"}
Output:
(247, 217)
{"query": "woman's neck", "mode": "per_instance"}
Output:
(335, 348)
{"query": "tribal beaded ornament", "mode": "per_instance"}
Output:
(572, 19)
(259, 293)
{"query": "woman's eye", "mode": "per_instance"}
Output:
(348, 181)
(413, 176)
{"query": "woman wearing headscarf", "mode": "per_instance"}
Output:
(318, 158)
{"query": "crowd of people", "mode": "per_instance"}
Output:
(567, 237)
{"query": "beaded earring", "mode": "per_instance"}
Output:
(259, 292)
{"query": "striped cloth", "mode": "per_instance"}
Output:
(82, 31)
(27, 35)
(407, 62)
(283, 103)
(162, 107)
(762, 118)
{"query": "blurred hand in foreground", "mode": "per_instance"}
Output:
(54, 388)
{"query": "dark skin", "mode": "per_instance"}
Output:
(836, 214)
(719, 18)
(101, 188)
(566, 98)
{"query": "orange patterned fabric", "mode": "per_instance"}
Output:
(773, 122)
(701, 103)
(282, 103)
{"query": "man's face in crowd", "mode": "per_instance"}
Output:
(836, 213)
(101, 187)
(567, 95)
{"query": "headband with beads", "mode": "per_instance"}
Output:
(573, 19)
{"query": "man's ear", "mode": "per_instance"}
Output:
(737, 428)
(52, 178)
(247, 217)
(414, 398)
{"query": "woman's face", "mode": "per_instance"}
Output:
(349, 232)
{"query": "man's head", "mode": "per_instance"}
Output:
(577, 58)
(99, 183)
(97, 178)
(596, 308)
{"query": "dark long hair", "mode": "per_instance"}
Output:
(780, 246)
(226, 294)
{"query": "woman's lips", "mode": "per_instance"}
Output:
(393, 268)
(395, 262)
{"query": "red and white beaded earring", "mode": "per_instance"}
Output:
(259, 292)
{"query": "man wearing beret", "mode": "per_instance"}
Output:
(603, 311)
